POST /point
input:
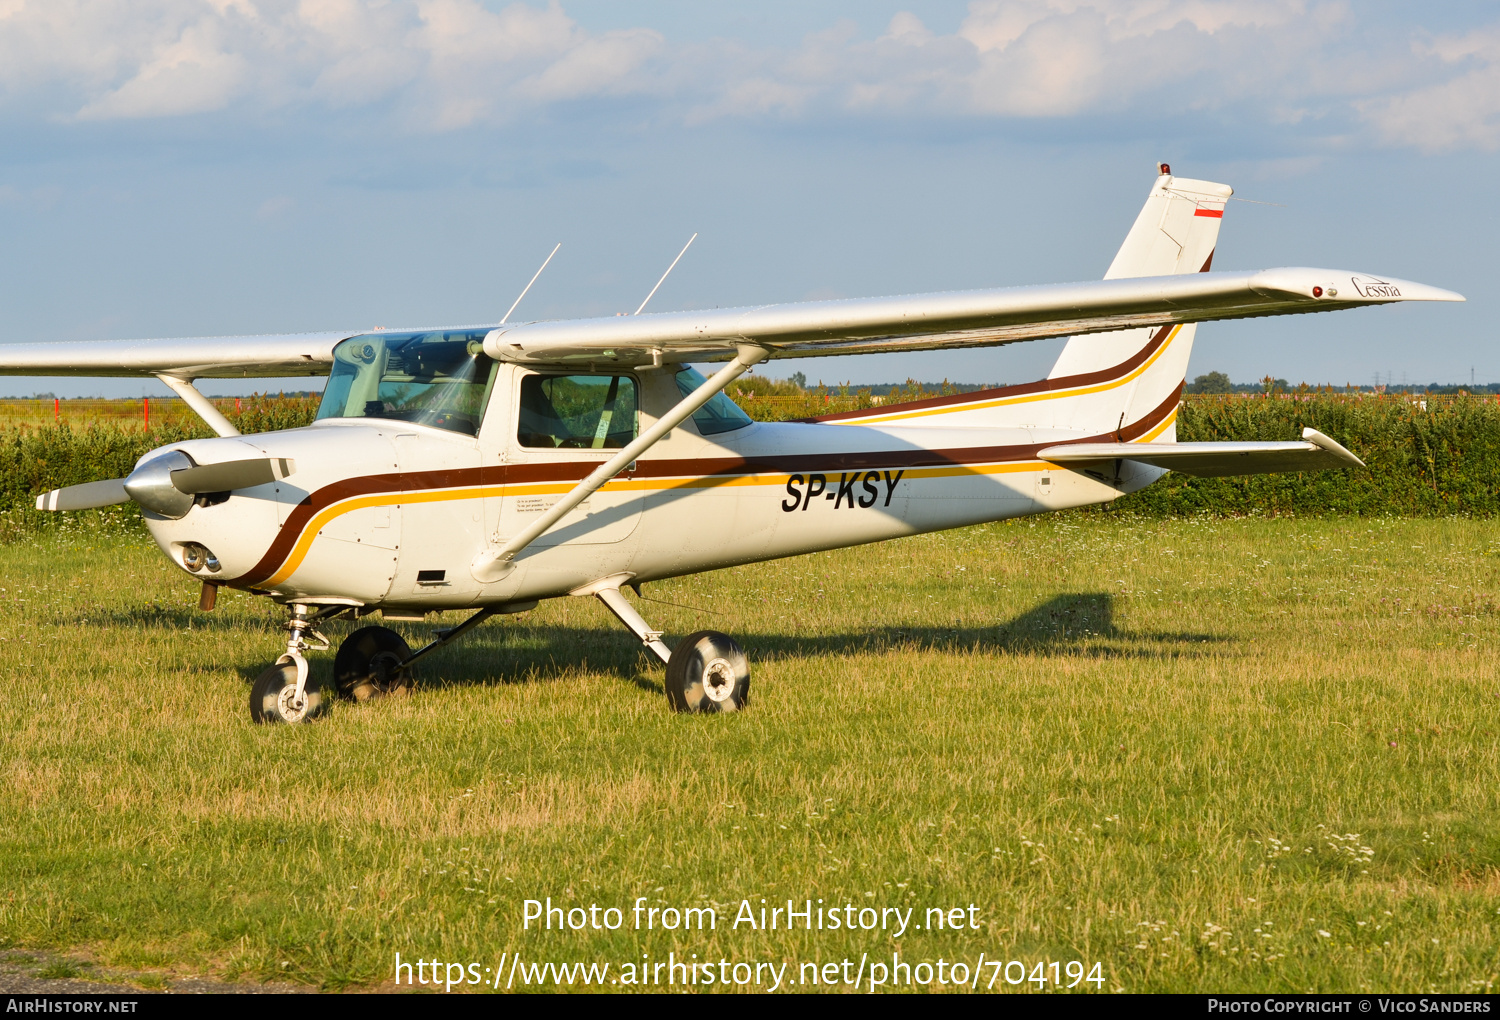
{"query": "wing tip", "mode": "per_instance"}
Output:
(1344, 288)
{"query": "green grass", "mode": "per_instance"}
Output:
(1183, 749)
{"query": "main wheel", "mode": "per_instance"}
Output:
(368, 664)
(708, 673)
(271, 697)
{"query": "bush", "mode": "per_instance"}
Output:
(1423, 461)
(37, 458)
(1429, 461)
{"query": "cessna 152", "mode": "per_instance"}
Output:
(488, 467)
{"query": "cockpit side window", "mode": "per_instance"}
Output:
(578, 412)
(718, 415)
(440, 379)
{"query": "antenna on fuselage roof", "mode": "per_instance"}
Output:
(669, 271)
(528, 286)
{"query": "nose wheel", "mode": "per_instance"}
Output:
(275, 697)
(369, 664)
(287, 692)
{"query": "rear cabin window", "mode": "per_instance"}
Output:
(441, 379)
(577, 412)
(718, 415)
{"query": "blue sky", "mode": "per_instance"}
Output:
(201, 167)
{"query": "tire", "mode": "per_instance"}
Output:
(708, 672)
(368, 664)
(270, 696)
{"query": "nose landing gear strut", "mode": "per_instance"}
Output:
(286, 691)
(372, 662)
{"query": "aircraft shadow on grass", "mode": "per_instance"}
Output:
(1074, 625)
(1077, 625)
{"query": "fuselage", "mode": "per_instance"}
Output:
(388, 513)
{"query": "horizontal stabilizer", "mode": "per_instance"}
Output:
(236, 474)
(84, 497)
(1209, 460)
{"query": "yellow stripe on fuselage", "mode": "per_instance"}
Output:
(1026, 398)
(329, 513)
(1159, 429)
(322, 518)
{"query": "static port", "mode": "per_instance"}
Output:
(196, 557)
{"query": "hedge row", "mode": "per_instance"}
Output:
(1436, 460)
(34, 459)
(1422, 461)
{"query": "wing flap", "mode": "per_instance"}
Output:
(1316, 452)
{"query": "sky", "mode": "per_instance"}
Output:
(211, 167)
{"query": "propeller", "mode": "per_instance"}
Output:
(168, 484)
(234, 474)
(85, 496)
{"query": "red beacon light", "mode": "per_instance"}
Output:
(1165, 168)
(1317, 292)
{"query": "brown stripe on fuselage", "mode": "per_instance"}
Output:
(518, 474)
(573, 471)
(1065, 382)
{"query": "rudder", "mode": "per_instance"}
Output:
(1175, 233)
(1124, 383)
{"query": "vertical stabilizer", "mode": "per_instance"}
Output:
(1176, 232)
(1124, 383)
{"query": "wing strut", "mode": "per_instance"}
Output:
(495, 564)
(185, 389)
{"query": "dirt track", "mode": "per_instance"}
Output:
(37, 973)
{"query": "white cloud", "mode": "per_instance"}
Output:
(1462, 111)
(194, 74)
(436, 65)
(446, 63)
(1059, 58)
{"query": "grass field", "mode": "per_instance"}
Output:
(1223, 755)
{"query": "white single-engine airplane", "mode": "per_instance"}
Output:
(489, 467)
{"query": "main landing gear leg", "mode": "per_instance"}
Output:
(286, 691)
(706, 672)
(625, 612)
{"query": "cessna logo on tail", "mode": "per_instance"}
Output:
(1370, 287)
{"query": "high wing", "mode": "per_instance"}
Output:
(806, 329)
(211, 357)
(976, 318)
(1316, 452)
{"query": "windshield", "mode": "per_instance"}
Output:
(718, 415)
(441, 379)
